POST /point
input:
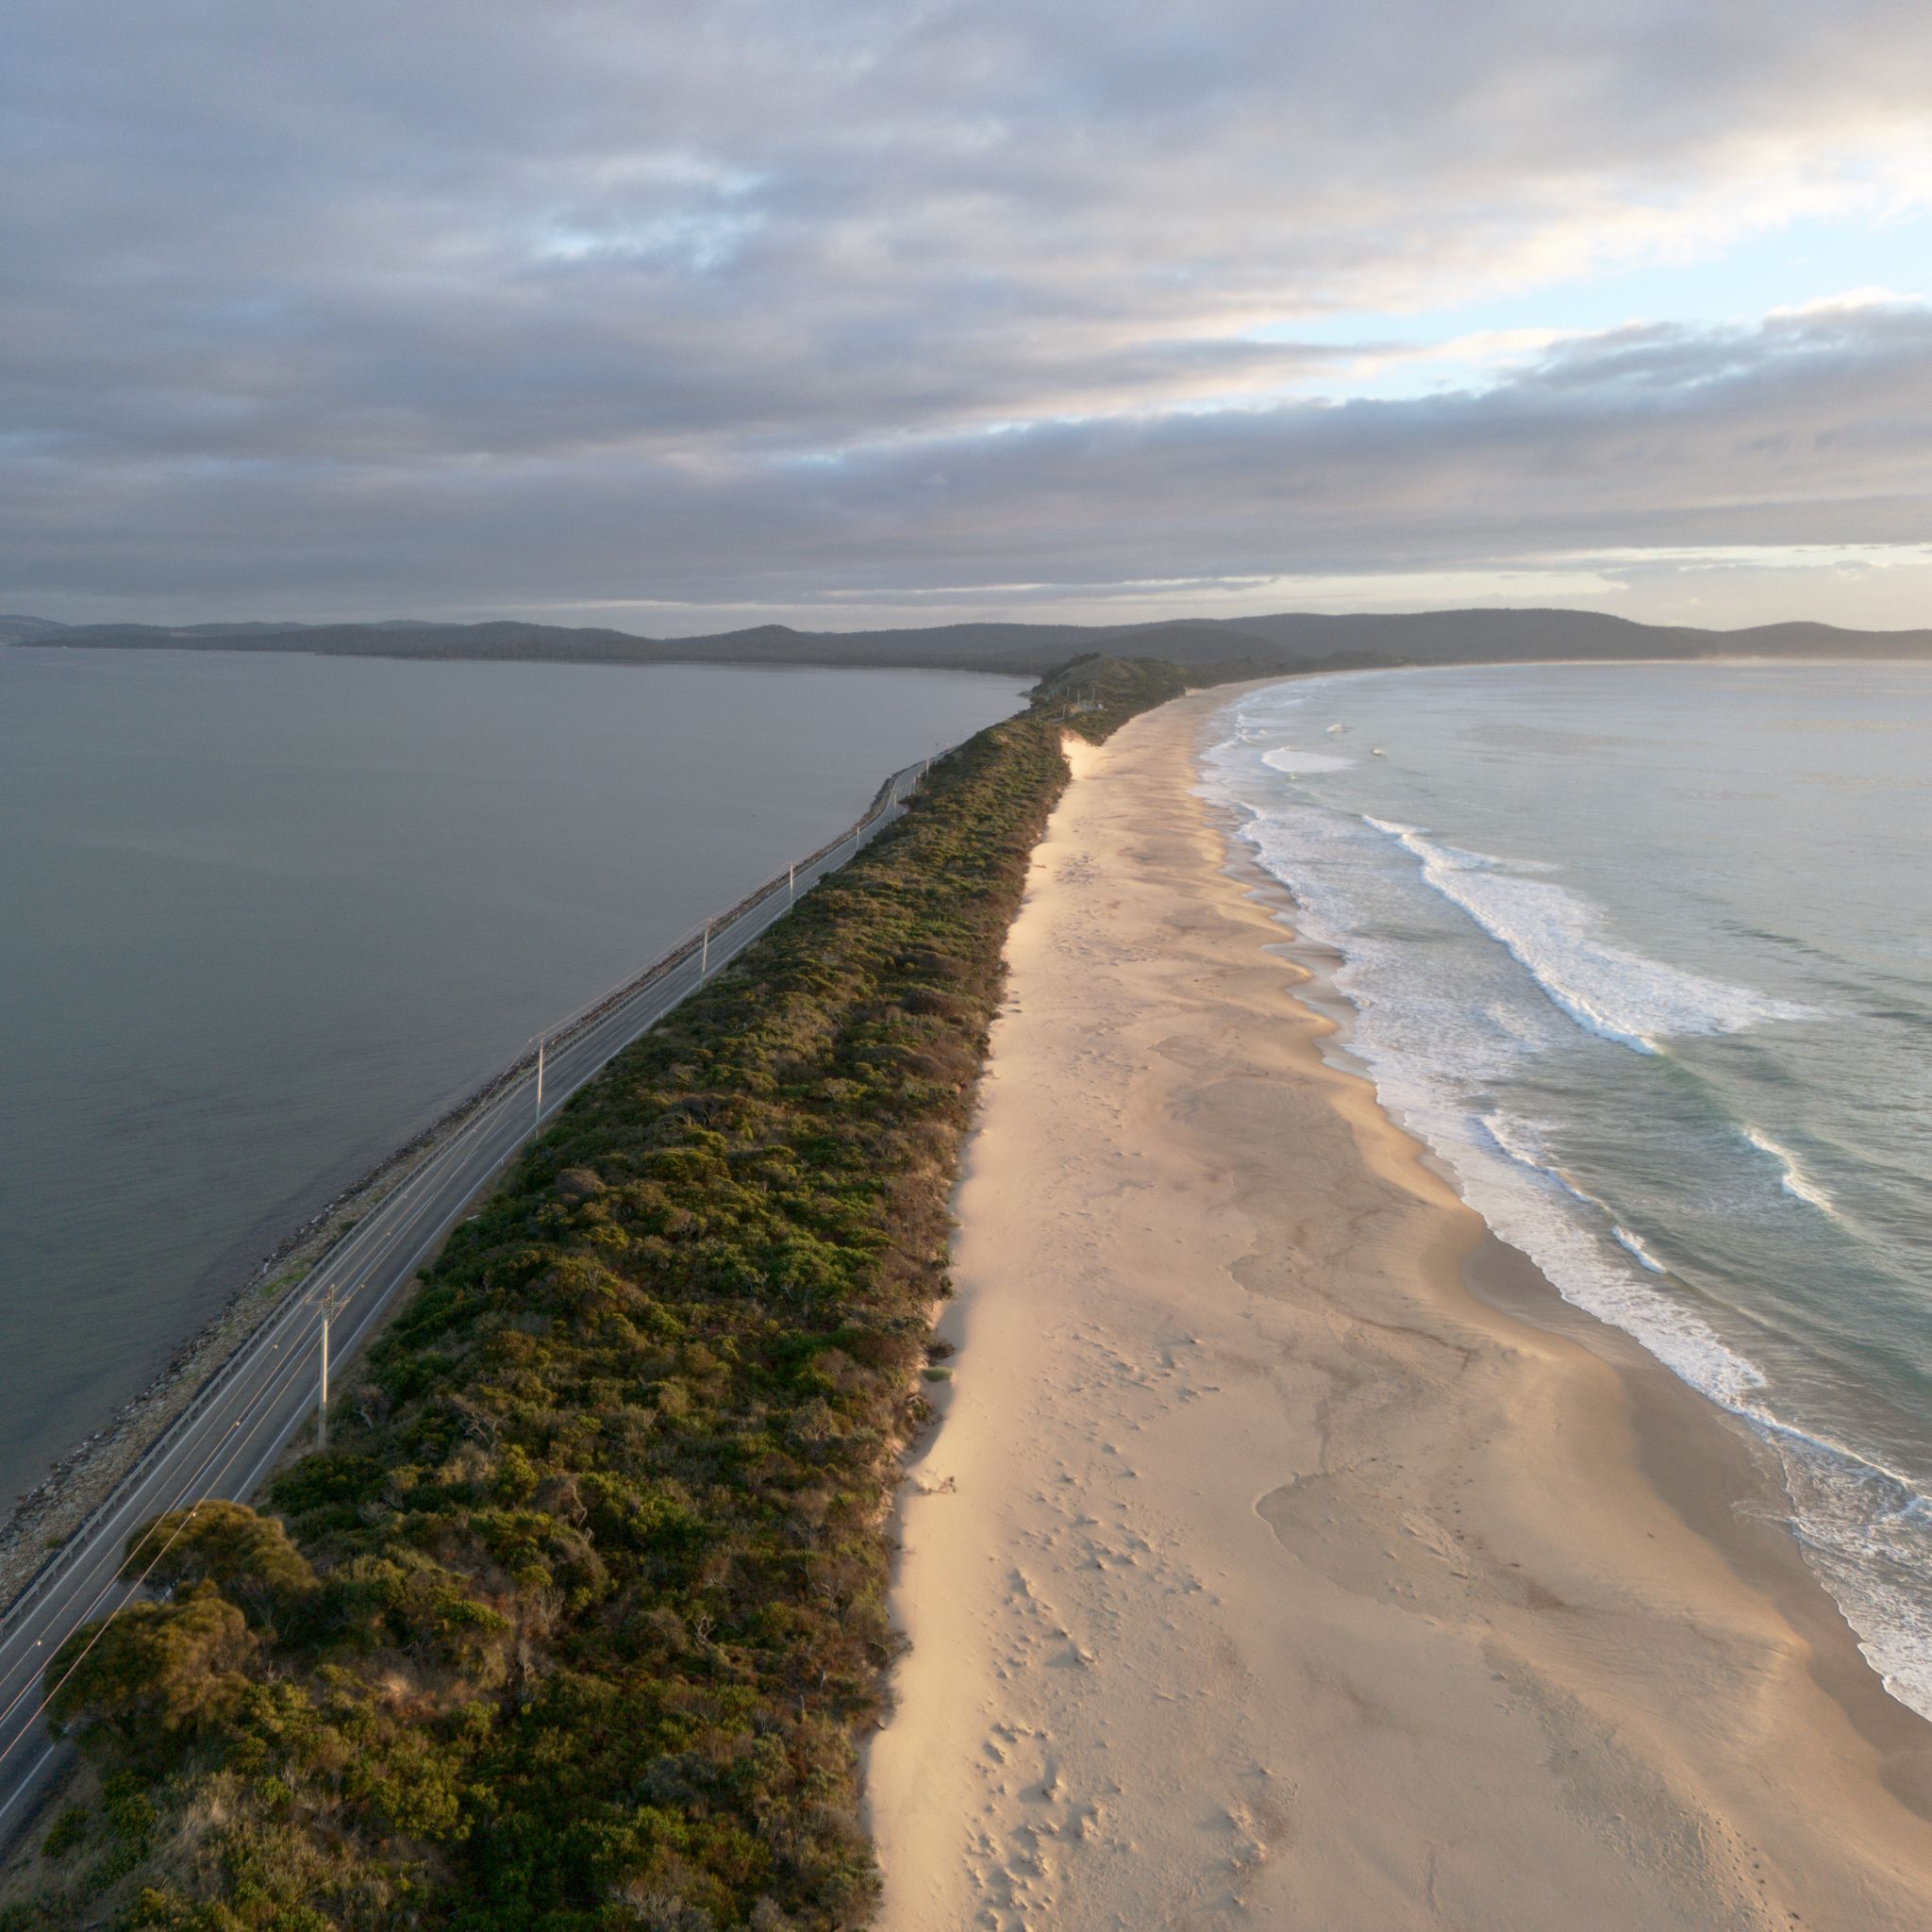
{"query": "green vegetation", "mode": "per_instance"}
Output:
(579, 1622)
(1117, 688)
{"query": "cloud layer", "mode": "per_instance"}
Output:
(758, 308)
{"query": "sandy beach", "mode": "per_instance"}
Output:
(1287, 1553)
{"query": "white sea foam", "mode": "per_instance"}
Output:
(1514, 1138)
(1554, 934)
(1524, 1145)
(1533, 1206)
(1435, 1029)
(1262, 711)
(1633, 1247)
(1291, 761)
(1427, 1048)
(1792, 1177)
(1865, 1528)
(1868, 1532)
(1520, 1145)
(1569, 1255)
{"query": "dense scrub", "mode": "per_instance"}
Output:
(579, 1621)
(1116, 688)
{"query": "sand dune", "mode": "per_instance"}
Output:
(1260, 1573)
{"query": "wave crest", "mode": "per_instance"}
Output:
(1792, 1177)
(1555, 936)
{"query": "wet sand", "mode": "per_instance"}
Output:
(1287, 1554)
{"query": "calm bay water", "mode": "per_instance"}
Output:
(263, 918)
(1644, 953)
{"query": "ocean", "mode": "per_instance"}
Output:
(264, 918)
(1643, 954)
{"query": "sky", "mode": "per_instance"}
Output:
(678, 317)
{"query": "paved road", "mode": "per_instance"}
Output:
(230, 1437)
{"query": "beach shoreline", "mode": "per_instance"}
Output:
(1717, 1472)
(1289, 1553)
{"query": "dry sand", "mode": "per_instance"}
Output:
(1261, 1572)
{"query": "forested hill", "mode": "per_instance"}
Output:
(1289, 640)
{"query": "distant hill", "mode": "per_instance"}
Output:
(1464, 637)
(1223, 646)
(1454, 636)
(15, 630)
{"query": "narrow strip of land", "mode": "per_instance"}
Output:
(581, 1618)
(1260, 1572)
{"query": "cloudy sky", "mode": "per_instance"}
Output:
(852, 313)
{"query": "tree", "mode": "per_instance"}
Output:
(154, 1676)
(247, 1556)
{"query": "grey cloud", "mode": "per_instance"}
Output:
(1806, 431)
(456, 303)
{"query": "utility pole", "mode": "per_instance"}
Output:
(705, 953)
(328, 1308)
(540, 1081)
(791, 883)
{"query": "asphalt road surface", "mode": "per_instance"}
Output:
(229, 1437)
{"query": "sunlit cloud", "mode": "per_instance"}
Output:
(954, 308)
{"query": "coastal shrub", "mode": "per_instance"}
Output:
(248, 1557)
(68, 1832)
(145, 1685)
(579, 1624)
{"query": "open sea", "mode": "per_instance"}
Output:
(1643, 953)
(263, 918)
